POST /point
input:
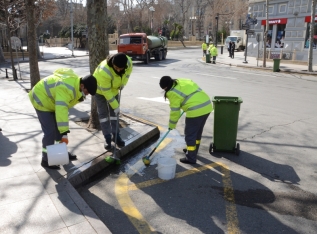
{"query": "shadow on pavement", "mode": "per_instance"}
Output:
(7, 149)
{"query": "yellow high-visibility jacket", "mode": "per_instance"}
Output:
(214, 51)
(204, 46)
(109, 83)
(57, 93)
(187, 95)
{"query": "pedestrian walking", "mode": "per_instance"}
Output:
(213, 52)
(204, 47)
(233, 47)
(185, 95)
(112, 74)
(229, 48)
(52, 97)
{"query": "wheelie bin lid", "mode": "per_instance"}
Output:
(226, 99)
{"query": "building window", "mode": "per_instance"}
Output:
(282, 8)
(307, 41)
(271, 8)
(280, 34)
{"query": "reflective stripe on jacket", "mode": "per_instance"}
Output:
(57, 93)
(187, 95)
(109, 82)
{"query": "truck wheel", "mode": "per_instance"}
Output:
(160, 55)
(147, 58)
(164, 54)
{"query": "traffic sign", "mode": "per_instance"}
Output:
(245, 26)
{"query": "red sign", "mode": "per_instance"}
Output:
(275, 21)
(308, 18)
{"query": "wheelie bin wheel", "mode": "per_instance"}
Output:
(237, 150)
(210, 148)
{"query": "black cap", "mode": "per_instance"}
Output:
(90, 84)
(120, 60)
(166, 82)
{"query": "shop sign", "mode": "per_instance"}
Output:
(308, 18)
(275, 21)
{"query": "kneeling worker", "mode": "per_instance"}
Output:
(52, 97)
(185, 95)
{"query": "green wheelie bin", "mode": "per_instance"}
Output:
(226, 115)
(208, 56)
(276, 65)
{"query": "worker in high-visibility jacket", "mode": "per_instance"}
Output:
(185, 95)
(112, 75)
(52, 97)
(213, 52)
(204, 47)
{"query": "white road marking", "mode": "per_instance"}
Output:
(253, 73)
(226, 77)
(156, 99)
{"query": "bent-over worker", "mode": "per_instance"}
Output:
(52, 97)
(185, 95)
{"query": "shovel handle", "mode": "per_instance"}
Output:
(157, 145)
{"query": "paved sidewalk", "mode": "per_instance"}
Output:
(239, 59)
(35, 200)
(38, 200)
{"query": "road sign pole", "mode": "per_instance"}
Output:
(246, 48)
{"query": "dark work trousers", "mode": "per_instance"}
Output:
(193, 130)
(214, 59)
(229, 50)
(204, 53)
(105, 112)
(232, 53)
(50, 130)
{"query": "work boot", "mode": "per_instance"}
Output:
(108, 145)
(71, 156)
(120, 142)
(45, 164)
(185, 160)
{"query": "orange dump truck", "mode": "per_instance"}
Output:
(141, 47)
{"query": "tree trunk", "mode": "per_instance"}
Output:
(98, 45)
(311, 36)
(265, 33)
(2, 59)
(32, 43)
(10, 47)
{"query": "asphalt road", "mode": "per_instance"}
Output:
(269, 188)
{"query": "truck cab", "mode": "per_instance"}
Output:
(238, 37)
(133, 44)
(141, 47)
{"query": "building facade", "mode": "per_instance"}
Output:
(289, 27)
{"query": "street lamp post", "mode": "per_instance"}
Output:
(249, 21)
(217, 17)
(192, 20)
(152, 9)
(71, 27)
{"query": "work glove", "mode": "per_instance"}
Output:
(64, 139)
(170, 129)
(117, 110)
